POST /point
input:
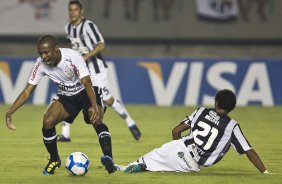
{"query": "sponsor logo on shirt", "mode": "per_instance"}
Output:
(35, 71)
(69, 88)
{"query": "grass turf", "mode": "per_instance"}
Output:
(23, 155)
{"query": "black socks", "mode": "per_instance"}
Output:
(50, 141)
(104, 139)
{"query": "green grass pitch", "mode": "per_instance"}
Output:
(23, 155)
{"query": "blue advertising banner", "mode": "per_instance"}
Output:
(164, 81)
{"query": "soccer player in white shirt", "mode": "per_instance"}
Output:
(212, 132)
(87, 40)
(67, 69)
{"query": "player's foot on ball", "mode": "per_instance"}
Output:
(108, 163)
(62, 138)
(135, 168)
(135, 132)
(51, 166)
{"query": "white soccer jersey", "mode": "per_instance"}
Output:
(66, 74)
(84, 37)
(212, 136)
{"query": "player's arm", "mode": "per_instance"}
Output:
(21, 99)
(95, 35)
(181, 127)
(86, 81)
(99, 48)
(242, 146)
(256, 161)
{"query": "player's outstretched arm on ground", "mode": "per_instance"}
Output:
(181, 127)
(93, 110)
(21, 99)
(255, 159)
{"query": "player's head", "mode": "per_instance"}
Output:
(75, 11)
(48, 49)
(225, 99)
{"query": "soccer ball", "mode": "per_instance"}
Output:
(77, 164)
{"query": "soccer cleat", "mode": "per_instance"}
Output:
(135, 132)
(108, 163)
(51, 166)
(62, 138)
(135, 168)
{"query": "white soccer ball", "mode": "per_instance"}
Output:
(77, 164)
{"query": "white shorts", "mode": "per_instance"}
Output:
(101, 80)
(172, 156)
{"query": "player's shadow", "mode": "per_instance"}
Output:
(231, 173)
(226, 173)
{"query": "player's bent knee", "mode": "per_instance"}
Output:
(95, 124)
(87, 120)
(48, 122)
(101, 113)
(86, 115)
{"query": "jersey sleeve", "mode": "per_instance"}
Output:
(37, 73)
(80, 65)
(94, 33)
(238, 141)
(189, 119)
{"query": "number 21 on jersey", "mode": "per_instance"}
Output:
(207, 133)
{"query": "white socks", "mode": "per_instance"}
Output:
(65, 129)
(121, 110)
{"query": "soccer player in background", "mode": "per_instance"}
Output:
(212, 132)
(86, 39)
(68, 70)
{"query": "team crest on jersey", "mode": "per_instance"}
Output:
(69, 72)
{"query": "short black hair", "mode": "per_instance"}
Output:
(226, 100)
(76, 2)
(51, 40)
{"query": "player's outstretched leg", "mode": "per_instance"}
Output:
(65, 136)
(135, 168)
(121, 110)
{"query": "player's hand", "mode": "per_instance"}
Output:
(9, 121)
(270, 173)
(266, 172)
(93, 114)
(85, 57)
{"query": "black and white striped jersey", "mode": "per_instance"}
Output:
(84, 38)
(212, 135)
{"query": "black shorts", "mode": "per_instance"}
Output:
(74, 104)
